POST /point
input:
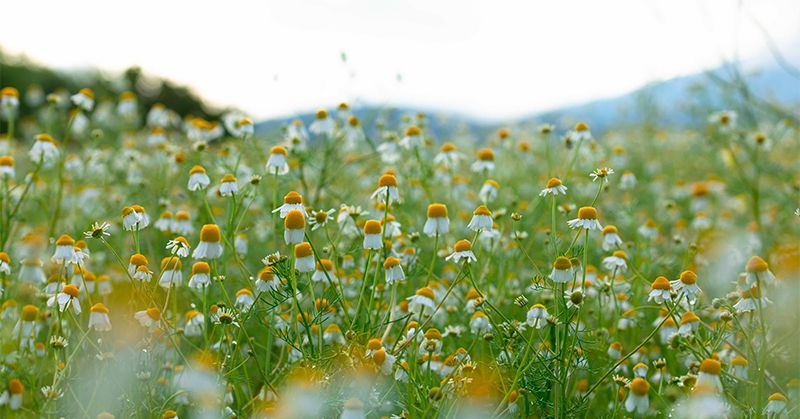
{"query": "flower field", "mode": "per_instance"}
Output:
(159, 265)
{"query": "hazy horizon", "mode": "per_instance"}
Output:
(411, 53)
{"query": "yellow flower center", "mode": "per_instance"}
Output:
(210, 233)
(437, 211)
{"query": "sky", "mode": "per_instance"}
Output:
(491, 59)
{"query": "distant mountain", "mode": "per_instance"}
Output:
(682, 102)
(686, 101)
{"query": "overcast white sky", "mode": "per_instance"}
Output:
(491, 59)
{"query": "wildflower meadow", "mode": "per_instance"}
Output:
(163, 265)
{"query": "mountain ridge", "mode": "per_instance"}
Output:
(681, 101)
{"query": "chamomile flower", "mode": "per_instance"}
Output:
(580, 133)
(294, 227)
(760, 139)
(750, 300)
(587, 219)
(479, 323)
(148, 318)
(617, 262)
(55, 283)
(437, 222)
(228, 185)
(7, 166)
(701, 222)
(200, 276)
(98, 318)
(401, 373)
(602, 173)
(448, 156)
(385, 364)
(333, 334)
(9, 102)
(373, 345)
(537, 316)
(210, 246)
(481, 219)
(66, 299)
(304, 257)
(488, 191)
(179, 246)
(198, 179)
(226, 316)
(127, 106)
(422, 302)
(276, 163)
(431, 341)
(135, 218)
(170, 272)
(372, 235)
(739, 367)
(8, 310)
(296, 134)
(324, 271)
(157, 137)
(15, 390)
(393, 228)
(84, 99)
(195, 322)
(320, 218)
(776, 404)
(660, 290)
(640, 370)
(485, 161)
(164, 222)
(323, 124)
(244, 299)
(757, 270)
(413, 137)
(394, 271)
(638, 399)
(291, 201)
(353, 132)
(267, 280)
(5, 263)
(710, 370)
(143, 274)
(183, 223)
(272, 259)
(45, 150)
(239, 126)
(26, 328)
(158, 116)
(615, 350)
(725, 120)
(65, 250)
(689, 324)
(386, 184)
(562, 270)
(554, 187)
(611, 239)
(687, 284)
(648, 230)
(575, 298)
(462, 251)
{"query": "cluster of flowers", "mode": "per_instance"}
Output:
(442, 293)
